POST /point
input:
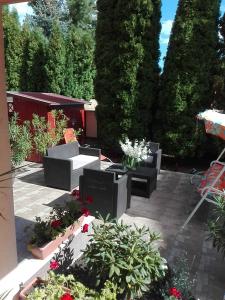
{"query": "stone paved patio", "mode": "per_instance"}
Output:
(164, 212)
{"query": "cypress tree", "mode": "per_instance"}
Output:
(80, 69)
(55, 61)
(13, 48)
(33, 77)
(219, 83)
(187, 80)
(127, 53)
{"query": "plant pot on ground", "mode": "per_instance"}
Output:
(66, 288)
(62, 222)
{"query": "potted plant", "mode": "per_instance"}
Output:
(20, 140)
(62, 222)
(134, 152)
(66, 287)
(125, 255)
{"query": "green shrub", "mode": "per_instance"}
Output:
(43, 136)
(20, 140)
(54, 289)
(60, 217)
(216, 226)
(124, 255)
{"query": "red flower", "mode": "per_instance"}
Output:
(89, 199)
(54, 265)
(85, 228)
(76, 193)
(174, 292)
(66, 296)
(85, 212)
(56, 223)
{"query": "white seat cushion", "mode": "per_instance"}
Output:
(81, 160)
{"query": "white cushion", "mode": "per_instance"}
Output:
(81, 160)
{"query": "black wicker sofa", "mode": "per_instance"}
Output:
(64, 164)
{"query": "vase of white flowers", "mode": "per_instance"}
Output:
(134, 152)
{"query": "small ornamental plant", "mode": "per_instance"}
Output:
(134, 152)
(61, 217)
(66, 287)
(216, 225)
(125, 255)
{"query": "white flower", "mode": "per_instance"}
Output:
(137, 150)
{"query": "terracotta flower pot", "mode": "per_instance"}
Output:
(34, 283)
(47, 249)
(28, 288)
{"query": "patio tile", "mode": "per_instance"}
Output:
(164, 212)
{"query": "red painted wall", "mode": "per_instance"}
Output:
(27, 108)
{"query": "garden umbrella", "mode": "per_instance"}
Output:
(214, 122)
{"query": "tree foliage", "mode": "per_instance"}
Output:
(33, 76)
(187, 80)
(55, 61)
(219, 82)
(80, 69)
(13, 48)
(47, 12)
(127, 53)
(82, 13)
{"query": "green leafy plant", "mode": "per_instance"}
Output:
(44, 136)
(216, 225)
(45, 230)
(125, 255)
(179, 283)
(60, 287)
(20, 139)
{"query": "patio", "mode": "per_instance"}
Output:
(164, 212)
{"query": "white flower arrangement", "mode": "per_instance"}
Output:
(135, 151)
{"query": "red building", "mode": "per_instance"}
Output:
(28, 103)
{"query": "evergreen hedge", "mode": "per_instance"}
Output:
(127, 54)
(13, 48)
(187, 79)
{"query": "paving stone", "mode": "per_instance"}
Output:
(165, 212)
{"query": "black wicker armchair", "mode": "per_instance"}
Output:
(154, 158)
(109, 194)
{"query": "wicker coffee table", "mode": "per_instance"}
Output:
(141, 182)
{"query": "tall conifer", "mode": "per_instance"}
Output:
(187, 80)
(55, 61)
(13, 48)
(127, 53)
(80, 68)
(33, 76)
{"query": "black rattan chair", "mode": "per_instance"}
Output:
(64, 164)
(109, 194)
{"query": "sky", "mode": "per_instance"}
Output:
(168, 13)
